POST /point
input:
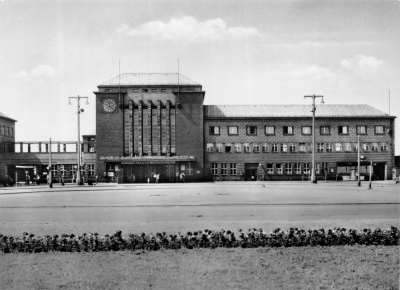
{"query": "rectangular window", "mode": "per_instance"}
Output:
(366, 147)
(2, 130)
(320, 147)
(375, 147)
(8, 131)
(163, 90)
(238, 147)
(246, 147)
(279, 168)
(321, 168)
(283, 147)
(297, 168)
(265, 148)
(63, 170)
(214, 130)
(251, 130)
(232, 130)
(224, 168)
(220, 148)
(325, 130)
(355, 146)
(233, 169)
(270, 130)
(154, 90)
(135, 90)
(347, 147)
(361, 130)
(329, 147)
(338, 147)
(270, 168)
(288, 168)
(210, 147)
(12, 132)
(306, 130)
(145, 90)
(306, 168)
(256, 148)
(214, 168)
(343, 130)
(189, 170)
(228, 147)
(379, 130)
(91, 169)
(292, 147)
(288, 130)
(302, 147)
(274, 147)
(384, 147)
(54, 169)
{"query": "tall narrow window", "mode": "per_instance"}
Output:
(320, 147)
(338, 147)
(347, 147)
(288, 168)
(246, 147)
(233, 169)
(256, 148)
(228, 147)
(189, 170)
(210, 147)
(384, 147)
(297, 168)
(374, 147)
(283, 147)
(302, 147)
(279, 168)
(224, 168)
(270, 168)
(274, 147)
(265, 148)
(91, 169)
(306, 130)
(12, 132)
(251, 130)
(366, 147)
(238, 147)
(329, 147)
(220, 148)
(306, 168)
(54, 169)
(214, 168)
(292, 147)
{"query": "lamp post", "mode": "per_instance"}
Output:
(358, 168)
(313, 173)
(79, 111)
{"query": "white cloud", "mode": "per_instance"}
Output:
(188, 28)
(361, 62)
(311, 73)
(39, 73)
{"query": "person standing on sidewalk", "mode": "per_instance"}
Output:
(27, 178)
(62, 179)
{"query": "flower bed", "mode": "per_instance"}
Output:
(253, 238)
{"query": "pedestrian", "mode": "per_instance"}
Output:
(183, 177)
(73, 178)
(48, 179)
(97, 178)
(5, 180)
(133, 178)
(148, 180)
(27, 178)
(62, 179)
(157, 178)
(38, 179)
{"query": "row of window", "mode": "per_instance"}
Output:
(289, 130)
(270, 168)
(293, 147)
(69, 170)
(6, 131)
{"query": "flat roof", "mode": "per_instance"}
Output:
(150, 79)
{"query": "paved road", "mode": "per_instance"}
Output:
(176, 207)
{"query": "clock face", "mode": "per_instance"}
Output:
(109, 105)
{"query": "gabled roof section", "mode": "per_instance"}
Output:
(6, 117)
(149, 79)
(248, 111)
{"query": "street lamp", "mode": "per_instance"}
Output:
(313, 173)
(78, 98)
(358, 160)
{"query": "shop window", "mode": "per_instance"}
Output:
(288, 130)
(220, 148)
(384, 147)
(233, 169)
(288, 168)
(374, 147)
(329, 147)
(265, 148)
(274, 147)
(63, 170)
(210, 147)
(343, 130)
(302, 147)
(320, 147)
(292, 147)
(270, 130)
(321, 168)
(297, 168)
(213, 130)
(338, 147)
(246, 147)
(283, 147)
(256, 148)
(189, 170)
(324, 130)
(91, 169)
(306, 130)
(238, 148)
(379, 130)
(232, 130)
(228, 147)
(214, 168)
(306, 168)
(361, 130)
(279, 168)
(366, 147)
(224, 168)
(251, 130)
(270, 168)
(54, 170)
(347, 147)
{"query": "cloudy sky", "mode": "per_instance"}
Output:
(242, 52)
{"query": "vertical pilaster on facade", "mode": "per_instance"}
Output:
(140, 128)
(168, 128)
(149, 139)
(131, 128)
(64, 147)
(29, 148)
(76, 147)
(159, 127)
(21, 147)
(40, 147)
(47, 147)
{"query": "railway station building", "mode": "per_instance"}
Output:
(150, 124)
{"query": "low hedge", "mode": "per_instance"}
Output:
(253, 238)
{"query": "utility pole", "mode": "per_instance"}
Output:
(313, 173)
(358, 169)
(79, 111)
(50, 167)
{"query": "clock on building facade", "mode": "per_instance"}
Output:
(109, 105)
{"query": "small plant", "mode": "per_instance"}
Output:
(253, 238)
